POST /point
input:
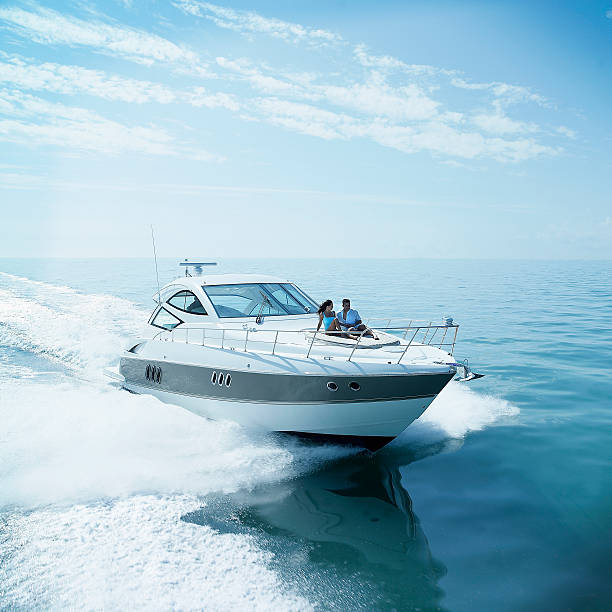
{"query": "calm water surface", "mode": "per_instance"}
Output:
(498, 498)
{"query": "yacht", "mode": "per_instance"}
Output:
(245, 347)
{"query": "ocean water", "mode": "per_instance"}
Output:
(498, 498)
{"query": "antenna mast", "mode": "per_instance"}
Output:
(156, 272)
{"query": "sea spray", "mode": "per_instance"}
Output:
(458, 410)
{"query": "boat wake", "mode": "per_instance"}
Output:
(135, 554)
(82, 332)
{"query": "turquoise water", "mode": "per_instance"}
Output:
(498, 498)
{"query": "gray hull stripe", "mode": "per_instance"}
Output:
(257, 387)
(251, 401)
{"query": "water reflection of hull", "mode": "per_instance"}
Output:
(366, 509)
(356, 514)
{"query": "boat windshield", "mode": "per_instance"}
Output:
(253, 299)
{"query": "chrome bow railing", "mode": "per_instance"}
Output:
(270, 341)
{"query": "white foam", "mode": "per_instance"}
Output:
(135, 554)
(63, 443)
(22, 281)
(83, 332)
(456, 411)
(11, 371)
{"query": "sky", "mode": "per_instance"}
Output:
(336, 128)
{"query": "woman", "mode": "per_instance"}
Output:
(327, 317)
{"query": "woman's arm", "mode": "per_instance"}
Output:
(320, 321)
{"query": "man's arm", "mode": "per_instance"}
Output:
(340, 321)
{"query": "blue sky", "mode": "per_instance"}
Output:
(299, 129)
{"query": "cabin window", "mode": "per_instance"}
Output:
(309, 304)
(187, 302)
(164, 320)
(253, 299)
(287, 299)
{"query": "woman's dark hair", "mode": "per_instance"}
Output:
(324, 305)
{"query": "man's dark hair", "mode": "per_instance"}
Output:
(346, 300)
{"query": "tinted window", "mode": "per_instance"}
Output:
(252, 299)
(309, 304)
(246, 300)
(165, 320)
(292, 301)
(188, 302)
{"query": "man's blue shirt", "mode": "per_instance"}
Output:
(352, 316)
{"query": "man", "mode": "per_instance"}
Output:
(350, 320)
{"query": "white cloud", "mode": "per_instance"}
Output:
(305, 118)
(441, 139)
(509, 94)
(64, 79)
(200, 97)
(389, 63)
(373, 97)
(248, 22)
(565, 131)
(260, 81)
(498, 123)
(49, 27)
(379, 61)
(30, 120)
(434, 136)
(70, 80)
(96, 135)
(378, 99)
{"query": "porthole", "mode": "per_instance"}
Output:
(228, 380)
(158, 376)
(332, 386)
(354, 386)
(221, 378)
(213, 378)
(148, 372)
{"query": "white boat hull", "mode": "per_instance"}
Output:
(381, 418)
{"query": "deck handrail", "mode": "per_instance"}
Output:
(237, 342)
